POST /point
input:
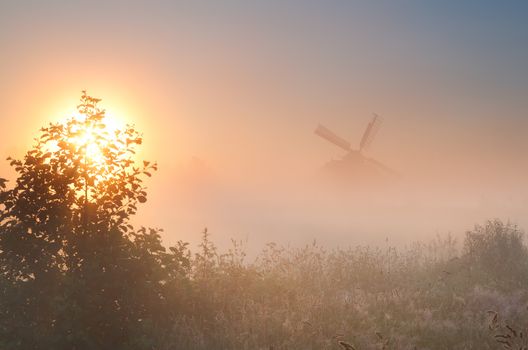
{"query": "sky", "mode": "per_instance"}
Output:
(227, 95)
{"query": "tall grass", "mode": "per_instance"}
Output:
(428, 296)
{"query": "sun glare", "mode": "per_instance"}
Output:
(94, 139)
(90, 142)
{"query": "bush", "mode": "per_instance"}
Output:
(496, 251)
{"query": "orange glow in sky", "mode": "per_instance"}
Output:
(227, 98)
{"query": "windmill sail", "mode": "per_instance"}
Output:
(370, 132)
(354, 165)
(383, 168)
(327, 134)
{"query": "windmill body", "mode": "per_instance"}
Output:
(354, 167)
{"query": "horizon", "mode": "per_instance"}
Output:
(228, 97)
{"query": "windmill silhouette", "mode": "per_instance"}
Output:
(354, 163)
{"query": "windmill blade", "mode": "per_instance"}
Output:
(385, 169)
(328, 135)
(370, 132)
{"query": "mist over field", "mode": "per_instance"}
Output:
(287, 196)
(263, 175)
(297, 204)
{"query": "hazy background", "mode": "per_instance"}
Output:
(228, 94)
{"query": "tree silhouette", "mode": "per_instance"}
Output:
(74, 272)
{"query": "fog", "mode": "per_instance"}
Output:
(438, 189)
(228, 98)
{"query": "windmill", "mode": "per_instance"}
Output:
(354, 162)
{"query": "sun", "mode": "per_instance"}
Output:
(94, 148)
(92, 143)
(93, 137)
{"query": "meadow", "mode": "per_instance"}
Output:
(439, 295)
(75, 274)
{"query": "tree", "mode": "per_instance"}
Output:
(75, 273)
